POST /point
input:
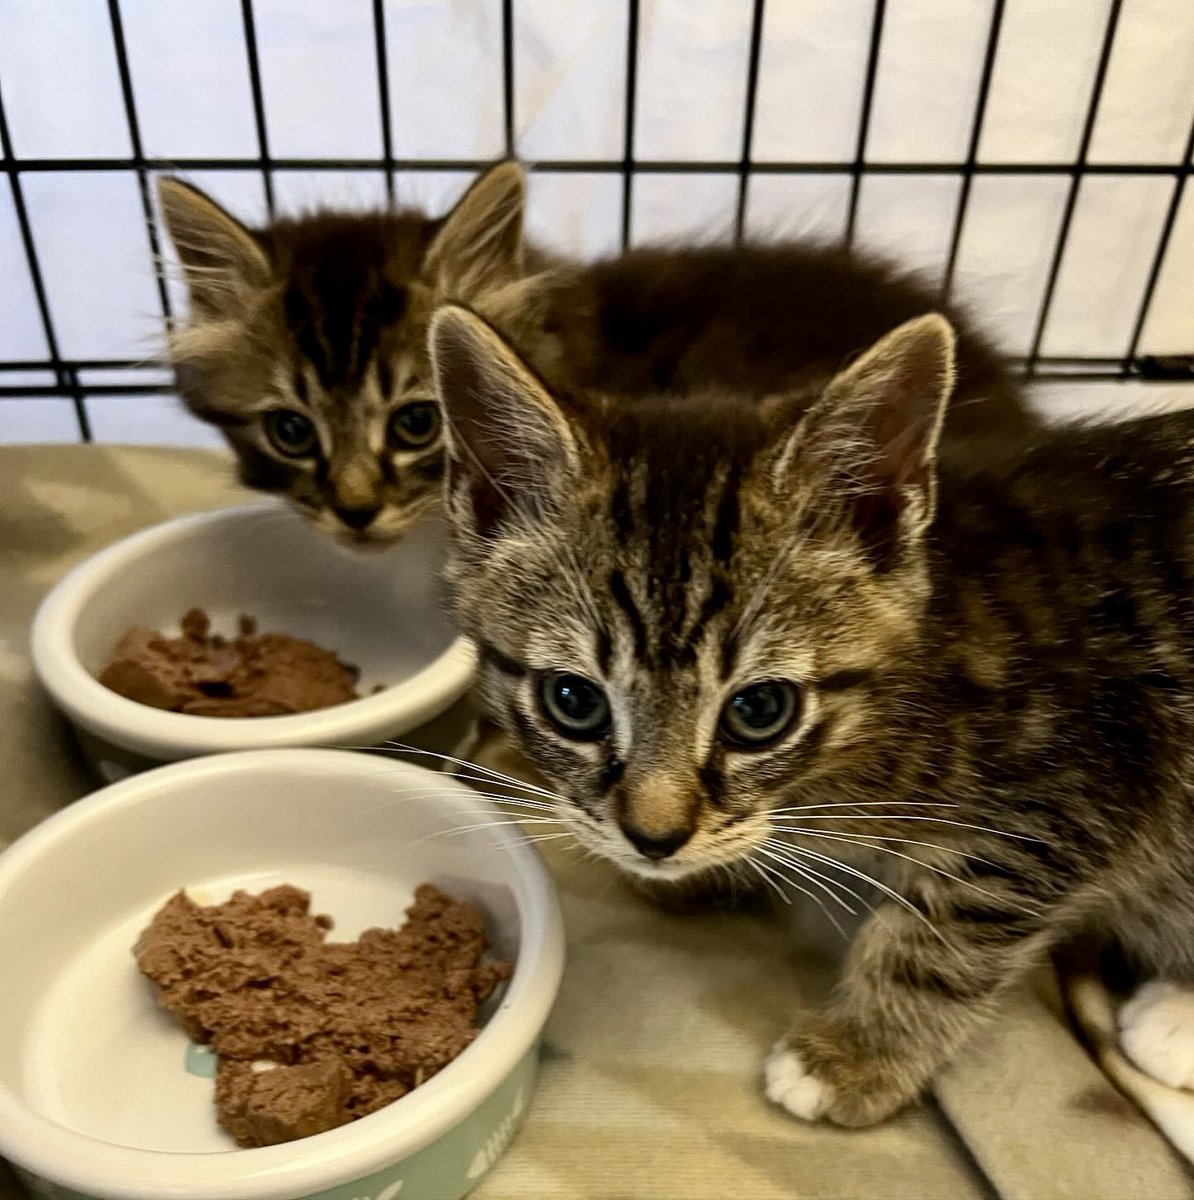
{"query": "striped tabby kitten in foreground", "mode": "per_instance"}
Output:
(742, 641)
(306, 343)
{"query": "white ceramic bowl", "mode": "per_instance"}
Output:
(383, 612)
(95, 1097)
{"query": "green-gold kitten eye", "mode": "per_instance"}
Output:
(290, 432)
(576, 706)
(413, 426)
(760, 714)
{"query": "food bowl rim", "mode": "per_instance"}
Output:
(94, 1167)
(169, 735)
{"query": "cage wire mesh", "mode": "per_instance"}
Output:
(748, 185)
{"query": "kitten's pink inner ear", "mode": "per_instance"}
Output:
(869, 444)
(500, 416)
(895, 396)
(215, 249)
(480, 244)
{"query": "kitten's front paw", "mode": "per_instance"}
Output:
(1156, 1031)
(817, 1073)
(787, 1082)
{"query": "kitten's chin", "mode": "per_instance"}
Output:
(381, 536)
(360, 544)
(668, 871)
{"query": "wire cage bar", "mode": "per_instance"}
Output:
(1124, 362)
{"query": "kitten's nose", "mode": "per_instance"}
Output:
(656, 846)
(358, 518)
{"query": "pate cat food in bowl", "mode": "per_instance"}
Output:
(384, 614)
(103, 1094)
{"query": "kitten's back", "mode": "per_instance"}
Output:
(758, 320)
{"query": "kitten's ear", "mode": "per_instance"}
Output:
(480, 244)
(508, 440)
(221, 258)
(872, 437)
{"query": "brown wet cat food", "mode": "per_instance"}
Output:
(313, 1034)
(251, 675)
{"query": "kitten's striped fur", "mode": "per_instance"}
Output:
(997, 685)
(325, 316)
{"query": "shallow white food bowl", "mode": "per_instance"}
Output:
(95, 1095)
(385, 613)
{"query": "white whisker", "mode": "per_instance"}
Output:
(456, 831)
(879, 837)
(803, 808)
(1002, 900)
(829, 861)
(780, 847)
(501, 776)
(790, 882)
(1020, 837)
(817, 881)
(812, 896)
(547, 837)
(530, 806)
(764, 873)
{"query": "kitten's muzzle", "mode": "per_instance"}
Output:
(359, 517)
(656, 846)
(657, 814)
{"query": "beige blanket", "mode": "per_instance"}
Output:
(650, 1086)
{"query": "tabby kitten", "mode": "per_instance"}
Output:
(306, 343)
(740, 640)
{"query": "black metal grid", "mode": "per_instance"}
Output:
(1128, 364)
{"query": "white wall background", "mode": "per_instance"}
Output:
(61, 91)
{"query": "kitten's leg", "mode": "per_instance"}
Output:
(905, 1004)
(1156, 1031)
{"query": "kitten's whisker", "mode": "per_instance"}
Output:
(513, 780)
(448, 792)
(790, 882)
(755, 603)
(878, 837)
(833, 921)
(837, 864)
(780, 847)
(801, 808)
(525, 807)
(457, 830)
(481, 779)
(1001, 900)
(547, 837)
(500, 797)
(1020, 837)
(800, 870)
(764, 873)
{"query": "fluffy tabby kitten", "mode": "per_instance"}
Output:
(742, 640)
(306, 343)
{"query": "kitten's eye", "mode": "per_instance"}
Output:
(576, 706)
(290, 432)
(758, 715)
(413, 425)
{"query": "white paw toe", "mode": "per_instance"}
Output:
(787, 1082)
(1156, 1031)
